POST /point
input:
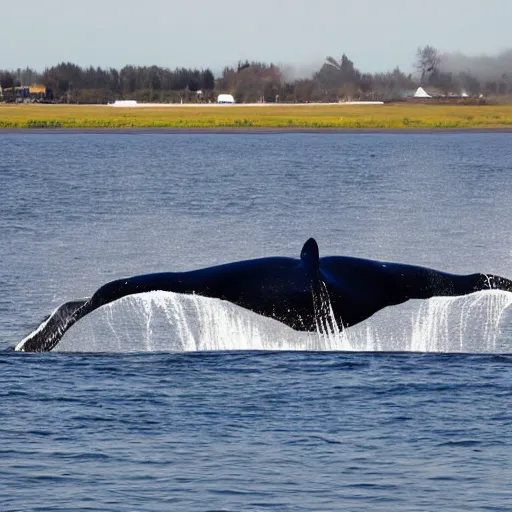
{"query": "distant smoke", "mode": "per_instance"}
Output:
(483, 67)
(292, 72)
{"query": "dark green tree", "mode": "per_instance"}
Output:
(6, 79)
(207, 80)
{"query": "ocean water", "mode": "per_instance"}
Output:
(164, 402)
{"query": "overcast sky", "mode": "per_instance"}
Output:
(376, 34)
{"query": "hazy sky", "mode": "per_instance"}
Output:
(376, 34)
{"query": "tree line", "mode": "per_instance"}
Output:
(336, 79)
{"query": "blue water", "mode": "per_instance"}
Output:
(175, 409)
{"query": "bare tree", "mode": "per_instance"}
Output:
(427, 60)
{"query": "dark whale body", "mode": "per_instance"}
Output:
(305, 293)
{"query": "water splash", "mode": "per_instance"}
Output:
(331, 337)
(450, 323)
(468, 324)
(168, 322)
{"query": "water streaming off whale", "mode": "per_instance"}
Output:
(169, 322)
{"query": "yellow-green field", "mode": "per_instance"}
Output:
(398, 116)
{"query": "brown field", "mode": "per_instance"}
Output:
(397, 116)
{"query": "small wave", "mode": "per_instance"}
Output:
(462, 442)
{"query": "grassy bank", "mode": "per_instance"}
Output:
(265, 116)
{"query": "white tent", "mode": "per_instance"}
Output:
(421, 93)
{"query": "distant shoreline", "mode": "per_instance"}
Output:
(283, 118)
(252, 131)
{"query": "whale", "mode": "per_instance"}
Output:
(306, 293)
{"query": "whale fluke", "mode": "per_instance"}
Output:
(51, 330)
(335, 292)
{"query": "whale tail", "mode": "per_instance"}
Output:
(480, 282)
(499, 283)
(53, 327)
(345, 291)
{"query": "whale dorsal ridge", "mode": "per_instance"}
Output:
(310, 257)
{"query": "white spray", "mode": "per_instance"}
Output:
(169, 322)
